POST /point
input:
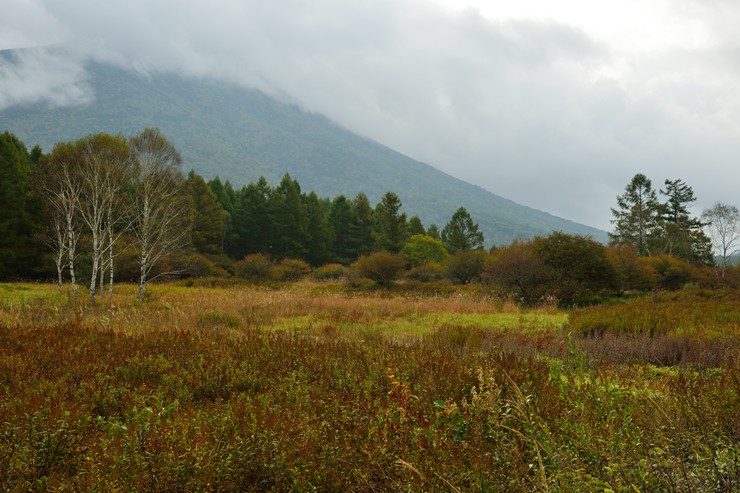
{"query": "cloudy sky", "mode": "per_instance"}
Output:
(554, 104)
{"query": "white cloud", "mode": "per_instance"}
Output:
(553, 104)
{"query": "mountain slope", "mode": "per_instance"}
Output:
(242, 134)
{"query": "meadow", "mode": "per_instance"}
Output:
(318, 387)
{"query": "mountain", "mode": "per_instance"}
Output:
(241, 134)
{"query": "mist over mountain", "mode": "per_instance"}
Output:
(240, 135)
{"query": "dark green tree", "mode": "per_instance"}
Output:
(433, 231)
(682, 235)
(18, 249)
(287, 213)
(579, 268)
(340, 216)
(636, 219)
(226, 197)
(251, 219)
(391, 230)
(320, 237)
(208, 218)
(360, 238)
(461, 233)
(415, 226)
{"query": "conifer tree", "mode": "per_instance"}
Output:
(461, 233)
(636, 218)
(17, 224)
(391, 229)
(320, 238)
(340, 215)
(361, 227)
(251, 220)
(288, 217)
(208, 218)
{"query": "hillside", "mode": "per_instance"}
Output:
(241, 134)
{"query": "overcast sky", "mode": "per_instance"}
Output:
(553, 104)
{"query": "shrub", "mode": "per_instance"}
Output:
(672, 273)
(427, 272)
(329, 271)
(421, 249)
(518, 271)
(381, 267)
(466, 265)
(290, 269)
(255, 267)
(198, 265)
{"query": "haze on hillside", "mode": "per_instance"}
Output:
(552, 104)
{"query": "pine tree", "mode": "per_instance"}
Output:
(320, 237)
(416, 227)
(461, 233)
(287, 213)
(251, 220)
(636, 219)
(391, 229)
(361, 227)
(18, 249)
(209, 219)
(680, 234)
(340, 215)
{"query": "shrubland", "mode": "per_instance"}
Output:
(318, 386)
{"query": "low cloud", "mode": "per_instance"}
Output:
(538, 111)
(52, 76)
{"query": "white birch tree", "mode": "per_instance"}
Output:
(159, 224)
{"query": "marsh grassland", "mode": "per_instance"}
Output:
(316, 387)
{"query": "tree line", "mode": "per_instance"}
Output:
(108, 207)
(106, 199)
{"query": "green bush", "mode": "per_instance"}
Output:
(255, 267)
(421, 249)
(381, 267)
(466, 265)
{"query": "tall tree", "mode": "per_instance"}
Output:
(288, 216)
(681, 235)
(391, 230)
(57, 177)
(340, 217)
(433, 232)
(416, 227)
(251, 221)
(361, 227)
(159, 212)
(636, 218)
(208, 217)
(104, 161)
(225, 197)
(320, 238)
(18, 250)
(723, 224)
(461, 233)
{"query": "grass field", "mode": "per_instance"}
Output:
(313, 387)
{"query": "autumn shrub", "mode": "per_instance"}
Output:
(672, 273)
(381, 267)
(256, 267)
(199, 265)
(329, 272)
(290, 269)
(465, 266)
(426, 272)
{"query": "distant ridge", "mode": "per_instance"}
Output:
(241, 135)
